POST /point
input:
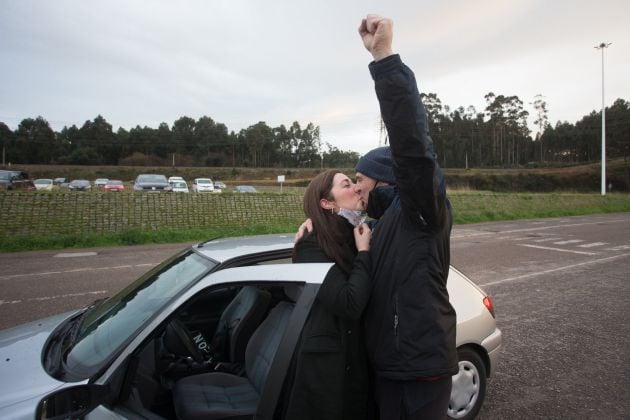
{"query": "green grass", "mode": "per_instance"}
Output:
(133, 237)
(477, 207)
(468, 207)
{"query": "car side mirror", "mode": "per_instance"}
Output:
(73, 402)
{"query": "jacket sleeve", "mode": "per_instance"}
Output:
(344, 295)
(418, 176)
(347, 295)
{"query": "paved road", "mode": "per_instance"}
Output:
(562, 294)
(42, 283)
(560, 287)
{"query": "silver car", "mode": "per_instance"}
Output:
(151, 183)
(223, 315)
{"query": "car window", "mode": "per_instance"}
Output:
(216, 330)
(151, 178)
(117, 319)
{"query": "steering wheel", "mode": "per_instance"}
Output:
(186, 340)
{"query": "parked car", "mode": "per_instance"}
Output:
(15, 180)
(151, 183)
(100, 182)
(43, 184)
(245, 189)
(203, 185)
(58, 181)
(175, 178)
(219, 184)
(79, 185)
(125, 357)
(179, 186)
(114, 185)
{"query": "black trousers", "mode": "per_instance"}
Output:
(413, 400)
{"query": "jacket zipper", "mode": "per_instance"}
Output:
(396, 322)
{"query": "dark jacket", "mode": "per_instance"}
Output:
(331, 367)
(409, 322)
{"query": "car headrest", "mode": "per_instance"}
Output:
(293, 291)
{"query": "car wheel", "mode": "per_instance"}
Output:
(469, 386)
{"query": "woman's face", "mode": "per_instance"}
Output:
(344, 194)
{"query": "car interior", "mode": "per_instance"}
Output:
(212, 358)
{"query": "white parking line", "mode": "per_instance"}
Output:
(540, 273)
(570, 241)
(75, 270)
(466, 234)
(593, 244)
(75, 254)
(547, 240)
(619, 248)
(43, 298)
(548, 248)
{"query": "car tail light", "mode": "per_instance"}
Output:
(487, 302)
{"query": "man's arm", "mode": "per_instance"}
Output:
(418, 176)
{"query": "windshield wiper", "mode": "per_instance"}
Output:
(59, 341)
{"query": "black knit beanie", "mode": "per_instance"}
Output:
(378, 164)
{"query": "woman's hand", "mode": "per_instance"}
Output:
(362, 236)
(306, 227)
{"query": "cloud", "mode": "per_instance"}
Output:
(146, 62)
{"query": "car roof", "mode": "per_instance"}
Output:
(224, 249)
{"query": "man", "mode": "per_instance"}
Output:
(409, 322)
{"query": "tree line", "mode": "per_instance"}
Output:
(498, 136)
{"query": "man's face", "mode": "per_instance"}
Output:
(364, 184)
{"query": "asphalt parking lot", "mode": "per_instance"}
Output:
(560, 288)
(562, 299)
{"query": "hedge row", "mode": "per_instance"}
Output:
(26, 213)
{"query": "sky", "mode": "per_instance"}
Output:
(144, 62)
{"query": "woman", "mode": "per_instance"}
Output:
(330, 363)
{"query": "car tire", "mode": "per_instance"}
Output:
(469, 386)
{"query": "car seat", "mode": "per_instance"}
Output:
(238, 322)
(219, 395)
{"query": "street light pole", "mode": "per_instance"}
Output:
(601, 47)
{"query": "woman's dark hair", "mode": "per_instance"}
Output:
(333, 233)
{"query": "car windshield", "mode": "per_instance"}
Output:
(179, 184)
(43, 181)
(204, 181)
(80, 183)
(152, 178)
(114, 183)
(246, 188)
(111, 324)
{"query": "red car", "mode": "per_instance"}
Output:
(114, 185)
